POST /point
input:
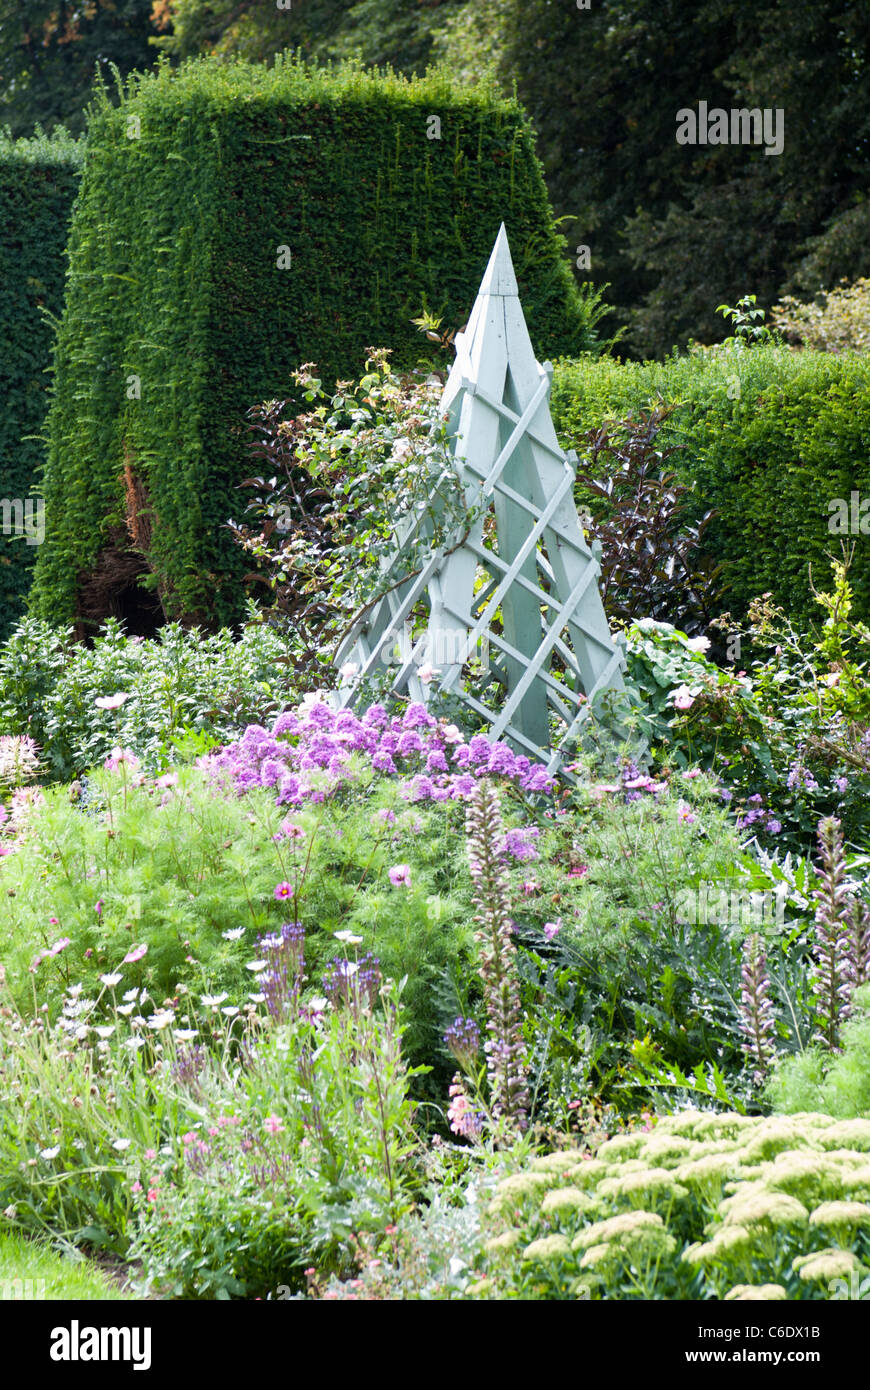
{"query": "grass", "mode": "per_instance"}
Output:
(44, 1274)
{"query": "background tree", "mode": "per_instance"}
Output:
(49, 50)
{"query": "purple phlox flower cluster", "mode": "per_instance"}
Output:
(463, 1041)
(520, 843)
(757, 813)
(307, 755)
(353, 982)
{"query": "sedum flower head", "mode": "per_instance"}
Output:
(729, 1240)
(622, 1227)
(756, 1293)
(825, 1264)
(548, 1248)
(596, 1254)
(566, 1199)
(850, 1134)
(707, 1171)
(561, 1162)
(841, 1214)
(645, 1181)
(501, 1244)
(622, 1146)
(517, 1188)
(772, 1208)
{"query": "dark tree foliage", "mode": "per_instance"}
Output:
(50, 50)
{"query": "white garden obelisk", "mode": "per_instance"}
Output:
(526, 590)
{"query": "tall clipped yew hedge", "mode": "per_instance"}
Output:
(770, 438)
(183, 310)
(38, 182)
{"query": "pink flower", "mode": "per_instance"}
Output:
(283, 891)
(530, 887)
(136, 954)
(136, 1186)
(273, 1124)
(684, 813)
(152, 1194)
(683, 698)
(292, 831)
(59, 946)
(121, 757)
(169, 779)
(552, 929)
(578, 870)
(692, 772)
(400, 875)
(150, 1154)
(189, 1137)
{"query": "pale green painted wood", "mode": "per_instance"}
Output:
(543, 578)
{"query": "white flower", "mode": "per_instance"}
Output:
(50, 1153)
(75, 990)
(317, 1004)
(255, 966)
(135, 1043)
(112, 701)
(131, 994)
(111, 980)
(451, 734)
(126, 1009)
(348, 938)
(105, 1032)
(348, 670)
(184, 1034)
(230, 1011)
(402, 449)
(257, 998)
(698, 644)
(211, 1001)
(121, 1144)
(161, 1019)
(234, 934)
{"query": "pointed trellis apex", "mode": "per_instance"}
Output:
(522, 585)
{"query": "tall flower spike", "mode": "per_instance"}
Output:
(504, 1047)
(830, 973)
(758, 1021)
(858, 929)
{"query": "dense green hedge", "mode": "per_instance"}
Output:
(191, 187)
(771, 437)
(38, 181)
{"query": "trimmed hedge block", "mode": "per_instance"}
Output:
(235, 221)
(771, 437)
(38, 182)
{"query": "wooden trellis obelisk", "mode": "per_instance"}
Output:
(529, 591)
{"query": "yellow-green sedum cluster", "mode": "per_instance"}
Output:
(703, 1206)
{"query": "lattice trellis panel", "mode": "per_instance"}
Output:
(522, 585)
